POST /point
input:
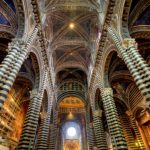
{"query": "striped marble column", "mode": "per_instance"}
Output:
(84, 142)
(131, 47)
(99, 130)
(114, 125)
(142, 74)
(31, 121)
(89, 131)
(59, 144)
(135, 63)
(18, 51)
(43, 132)
(7, 62)
(51, 139)
(53, 132)
(91, 137)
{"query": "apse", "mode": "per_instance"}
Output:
(71, 135)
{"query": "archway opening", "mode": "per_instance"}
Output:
(72, 131)
(71, 135)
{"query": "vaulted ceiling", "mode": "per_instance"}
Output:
(71, 31)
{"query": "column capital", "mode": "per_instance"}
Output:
(16, 43)
(43, 115)
(129, 113)
(129, 42)
(98, 113)
(107, 91)
(35, 93)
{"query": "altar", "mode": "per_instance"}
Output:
(71, 144)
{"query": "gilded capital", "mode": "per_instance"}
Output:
(129, 42)
(129, 113)
(43, 115)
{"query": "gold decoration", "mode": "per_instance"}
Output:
(71, 102)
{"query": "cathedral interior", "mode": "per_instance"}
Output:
(74, 74)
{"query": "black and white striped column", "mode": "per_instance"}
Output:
(18, 51)
(135, 63)
(99, 130)
(89, 131)
(142, 74)
(53, 132)
(114, 125)
(43, 132)
(84, 139)
(51, 139)
(27, 138)
(10, 57)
